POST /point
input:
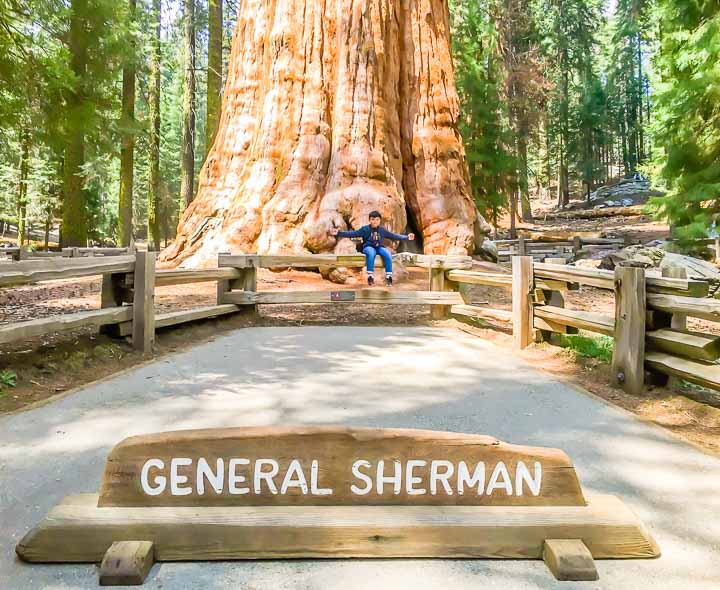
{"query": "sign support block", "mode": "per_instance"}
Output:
(127, 563)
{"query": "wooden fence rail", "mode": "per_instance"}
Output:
(648, 325)
(127, 298)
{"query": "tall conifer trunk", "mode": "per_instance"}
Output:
(153, 204)
(127, 150)
(74, 210)
(214, 74)
(23, 186)
(187, 180)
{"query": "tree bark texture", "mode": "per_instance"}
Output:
(332, 109)
(127, 150)
(23, 187)
(214, 73)
(74, 210)
(187, 180)
(153, 200)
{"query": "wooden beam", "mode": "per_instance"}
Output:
(348, 261)
(448, 262)
(291, 261)
(569, 560)
(474, 277)
(685, 343)
(182, 277)
(629, 351)
(143, 335)
(63, 323)
(127, 563)
(478, 311)
(678, 321)
(605, 279)
(656, 283)
(437, 284)
(81, 532)
(173, 318)
(388, 296)
(554, 317)
(602, 279)
(705, 308)
(522, 305)
(699, 372)
(116, 290)
(33, 271)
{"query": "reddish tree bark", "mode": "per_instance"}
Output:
(333, 108)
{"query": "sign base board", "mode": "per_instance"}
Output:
(77, 530)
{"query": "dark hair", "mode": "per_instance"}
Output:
(375, 215)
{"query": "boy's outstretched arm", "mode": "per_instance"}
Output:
(352, 233)
(402, 237)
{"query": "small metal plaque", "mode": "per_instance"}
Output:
(342, 296)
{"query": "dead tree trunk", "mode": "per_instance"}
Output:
(332, 109)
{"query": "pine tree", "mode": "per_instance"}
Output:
(153, 196)
(214, 71)
(187, 186)
(127, 152)
(687, 110)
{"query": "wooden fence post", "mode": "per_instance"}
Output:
(246, 282)
(143, 329)
(437, 283)
(522, 246)
(628, 362)
(679, 320)
(555, 299)
(522, 305)
(116, 290)
(577, 244)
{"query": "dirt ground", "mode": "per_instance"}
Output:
(53, 366)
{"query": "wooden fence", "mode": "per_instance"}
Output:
(17, 253)
(128, 288)
(540, 250)
(648, 325)
(129, 282)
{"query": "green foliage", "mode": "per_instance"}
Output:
(39, 84)
(688, 108)
(8, 378)
(484, 121)
(597, 347)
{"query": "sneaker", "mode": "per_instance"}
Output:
(371, 280)
(388, 281)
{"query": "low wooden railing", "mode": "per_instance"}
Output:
(129, 283)
(648, 326)
(542, 249)
(127, 298)
(19, 254)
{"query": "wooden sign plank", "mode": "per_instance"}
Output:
(334, 466)
(79, 531)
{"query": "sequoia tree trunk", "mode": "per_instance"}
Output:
(333, 108)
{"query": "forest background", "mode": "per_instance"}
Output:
(108, 108)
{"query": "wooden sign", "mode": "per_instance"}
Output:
(334, 466)
(309, 492)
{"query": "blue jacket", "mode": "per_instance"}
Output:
(371, 237)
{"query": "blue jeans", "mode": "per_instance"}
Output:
(371, 253)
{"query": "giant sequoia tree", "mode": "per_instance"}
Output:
(333, 108)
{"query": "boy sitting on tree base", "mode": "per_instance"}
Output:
(372, 236)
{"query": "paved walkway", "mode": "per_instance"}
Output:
(386, 377)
